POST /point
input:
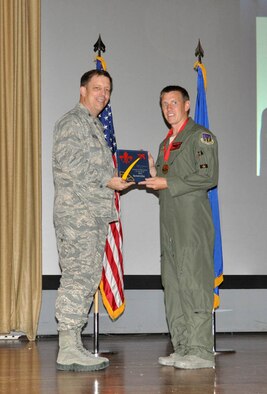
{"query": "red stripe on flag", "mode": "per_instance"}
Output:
(116, 276)
(109, 296)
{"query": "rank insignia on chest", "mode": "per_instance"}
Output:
(176, 145)
(207, 139)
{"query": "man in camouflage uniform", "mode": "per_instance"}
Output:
(85, 180)
(186, 167)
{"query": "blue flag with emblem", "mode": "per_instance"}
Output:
(201, 117)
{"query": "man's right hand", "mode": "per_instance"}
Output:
(119, 184)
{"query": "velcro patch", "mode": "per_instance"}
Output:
(176, 145)
(203, 166)
(207, 139)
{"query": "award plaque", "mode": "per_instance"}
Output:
(133, 165)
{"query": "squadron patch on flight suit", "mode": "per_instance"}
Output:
(207, 139)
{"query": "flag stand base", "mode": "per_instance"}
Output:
(223, 351)
(217, 352)
(96, 351)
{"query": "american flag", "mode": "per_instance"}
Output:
(112, 285)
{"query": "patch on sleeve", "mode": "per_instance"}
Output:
(207, 139)
(203, 166)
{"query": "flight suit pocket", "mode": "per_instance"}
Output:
(202, 301)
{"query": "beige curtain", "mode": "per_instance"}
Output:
(20, 167)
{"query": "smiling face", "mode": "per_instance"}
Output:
(95, 94)
(175, 108)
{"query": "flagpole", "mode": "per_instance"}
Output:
(99, 46)
(114, 236)
(201, 117)
(96, 323)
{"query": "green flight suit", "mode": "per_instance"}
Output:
(187, 239)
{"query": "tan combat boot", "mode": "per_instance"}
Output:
(83, 349)
(72, 357)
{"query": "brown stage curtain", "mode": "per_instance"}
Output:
(20, 167)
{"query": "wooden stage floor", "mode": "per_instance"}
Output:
(29, 367)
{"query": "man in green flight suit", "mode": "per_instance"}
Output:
(186, 168)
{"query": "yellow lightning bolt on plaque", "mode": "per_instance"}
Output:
(127, 172)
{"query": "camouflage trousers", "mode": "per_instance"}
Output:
(81, 246)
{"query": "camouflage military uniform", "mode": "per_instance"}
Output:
(83, 207)
(187, 239)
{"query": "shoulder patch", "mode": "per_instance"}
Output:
(207, 139)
